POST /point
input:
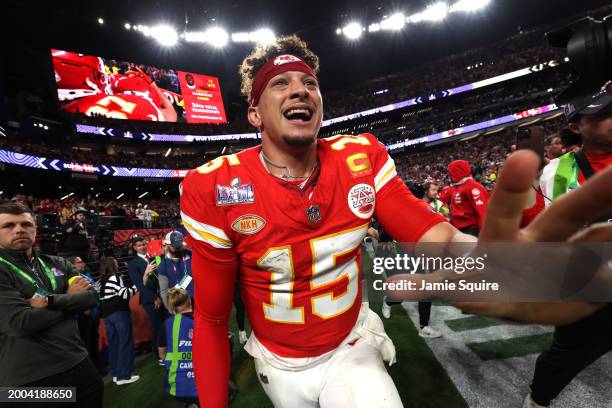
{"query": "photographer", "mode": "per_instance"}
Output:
(576, 346)
(39, 339)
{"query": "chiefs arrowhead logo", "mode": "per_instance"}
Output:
(248, 224)
(285, 59)
(361, 200)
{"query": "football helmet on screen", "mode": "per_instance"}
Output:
(79, 75)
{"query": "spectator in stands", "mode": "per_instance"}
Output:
(175, 348)
(88, 320)
(77, 242)
(147, 216)
(115, 296)
(174, 269)
(466, 198)
(39, 340)
(138, 268)
(140, 214)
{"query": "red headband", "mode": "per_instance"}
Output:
(273, 67)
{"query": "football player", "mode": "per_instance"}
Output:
(287, 218)
(83, 83)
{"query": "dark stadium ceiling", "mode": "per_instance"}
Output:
(72, 25)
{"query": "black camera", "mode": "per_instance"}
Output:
(589, 48)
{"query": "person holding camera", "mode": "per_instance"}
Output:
(40, 344)
(115, 297)
(142, 273)
(575, 346)
(174, 270)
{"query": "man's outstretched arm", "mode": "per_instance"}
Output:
(559, 223)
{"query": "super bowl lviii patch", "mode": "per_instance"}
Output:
(235, 194)
(248, 224)
(361, 200)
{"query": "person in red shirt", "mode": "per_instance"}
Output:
(286, 219)
(466, 198)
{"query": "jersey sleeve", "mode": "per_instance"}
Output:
(214, 266)
(401, 214)
(479, 199)
(203, 219)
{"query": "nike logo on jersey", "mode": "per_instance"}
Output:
(248, 224)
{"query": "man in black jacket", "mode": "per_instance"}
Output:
(76, 242)
(39, 338)
(138, 268)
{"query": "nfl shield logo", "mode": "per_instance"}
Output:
(314, 214)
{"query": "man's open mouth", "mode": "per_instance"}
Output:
(298, 114)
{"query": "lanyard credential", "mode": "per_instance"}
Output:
(27, 277)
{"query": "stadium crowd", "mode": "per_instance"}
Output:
(150, 213)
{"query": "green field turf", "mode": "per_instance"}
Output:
(420, 379)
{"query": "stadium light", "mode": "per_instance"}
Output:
(127, 26)
(194, 36)
(374, 27)
(469, 5)
(216, 36)
(435, 12)
(352, 31)
(338, 31)
(395, 22)
(165, 35)
(100, 20)
(264, 36)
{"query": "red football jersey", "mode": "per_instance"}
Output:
(121, 106)
(298, 250)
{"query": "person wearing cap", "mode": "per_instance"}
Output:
(174, 270)
(76, 241)
(287, 219)
(139, 267)
(576, 346)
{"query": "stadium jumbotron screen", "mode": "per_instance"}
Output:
(96, 86)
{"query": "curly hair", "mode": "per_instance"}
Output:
(252, 63)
